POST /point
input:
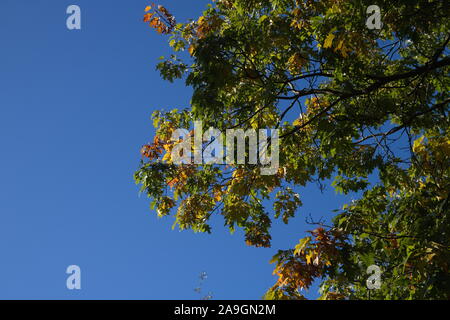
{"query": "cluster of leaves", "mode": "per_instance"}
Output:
(366, 103)
(401, 225)
(160, 18)
(312, 257)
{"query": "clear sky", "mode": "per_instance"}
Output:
(75, 109)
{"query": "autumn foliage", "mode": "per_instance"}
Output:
(362, 111)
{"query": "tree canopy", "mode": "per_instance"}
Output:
(364, 108)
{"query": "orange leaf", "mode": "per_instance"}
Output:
(147, 17)
(191, 49)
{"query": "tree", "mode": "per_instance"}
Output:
(371, 103)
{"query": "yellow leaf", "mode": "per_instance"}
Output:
(191, 49)
(167, 157)
(254, 123)
(184, 175)
(421, 185)
(298, 122)
(300, 248)
(237, 174)
(418, 145)
(201, 20)
(329, 40)
(148, 8)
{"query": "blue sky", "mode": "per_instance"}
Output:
(75, 109)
